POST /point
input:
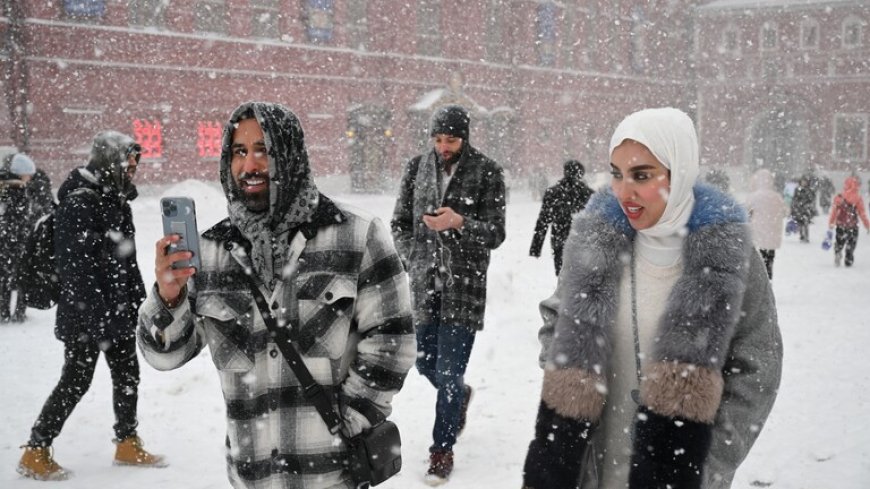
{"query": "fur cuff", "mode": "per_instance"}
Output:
(668, 452)
(682, 390)
(556, 454)
(574, 393)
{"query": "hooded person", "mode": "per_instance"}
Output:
(767, 210)
(327, 269)
(100, 291)
(846, 211)
(560, 203)
(661, 350)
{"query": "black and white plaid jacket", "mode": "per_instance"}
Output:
(348, 280)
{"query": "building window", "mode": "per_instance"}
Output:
(147, 13)
(850, 137)
(149, 134)
(429, 27)
(495, 16)
(209, 135)
(637, 41)
(210, 16)
(84, 8)
(545, 22)
(809, 34)
(570, 31)
(319, 20)
(265, 18)
(768, 36)
(730, 43)
(852, 32)
(357, 24)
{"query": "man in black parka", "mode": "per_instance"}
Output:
(561, 202)
(101, 290)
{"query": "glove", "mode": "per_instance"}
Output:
(556, 454)
(668, 452)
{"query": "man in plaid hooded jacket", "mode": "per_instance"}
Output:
(330, 273)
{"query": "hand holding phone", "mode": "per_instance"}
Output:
(180, 238)
(179, 218)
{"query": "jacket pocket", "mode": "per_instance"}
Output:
(228, 326)
(326, 306)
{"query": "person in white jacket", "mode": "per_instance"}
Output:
(767, 210)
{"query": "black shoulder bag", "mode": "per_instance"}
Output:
(374, 455)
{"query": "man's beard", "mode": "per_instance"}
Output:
(254, 202)
(453, 158)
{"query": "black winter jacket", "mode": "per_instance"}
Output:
(101, 286)
(561, 202)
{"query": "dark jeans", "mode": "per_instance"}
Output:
(846, 238)
(442, 356)
(767, 256)
(80, 360)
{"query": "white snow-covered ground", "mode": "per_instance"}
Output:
(817, 437)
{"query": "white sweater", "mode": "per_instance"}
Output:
(654, 284)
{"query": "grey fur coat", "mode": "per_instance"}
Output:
(718, 355)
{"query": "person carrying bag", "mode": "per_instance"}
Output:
(374, 455)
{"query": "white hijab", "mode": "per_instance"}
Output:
(670, 136)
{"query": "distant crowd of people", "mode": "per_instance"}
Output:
(651, 377)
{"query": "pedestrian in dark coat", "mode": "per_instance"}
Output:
(26, 192)
(449, 215)
(803, 208)
(101, 290)
(14, 227)
(826, 192)
(561, 201)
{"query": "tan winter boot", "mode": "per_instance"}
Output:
(129, 451)
(38, 463)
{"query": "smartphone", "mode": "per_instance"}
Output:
(179, 217)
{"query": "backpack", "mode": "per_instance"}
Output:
(38, 280)
(847, 214)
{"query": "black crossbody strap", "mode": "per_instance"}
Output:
(313, 390)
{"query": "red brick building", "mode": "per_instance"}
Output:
(545, 80)
(784, 84)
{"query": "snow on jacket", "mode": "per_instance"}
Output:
(803, 204)
(766, 210)
(560, 203)
(718, 358)
(345, 298)
(851, 195)
(94, 239)
(457, 258)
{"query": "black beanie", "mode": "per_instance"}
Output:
(452, 120)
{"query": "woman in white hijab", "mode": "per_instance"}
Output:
(661, 349)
